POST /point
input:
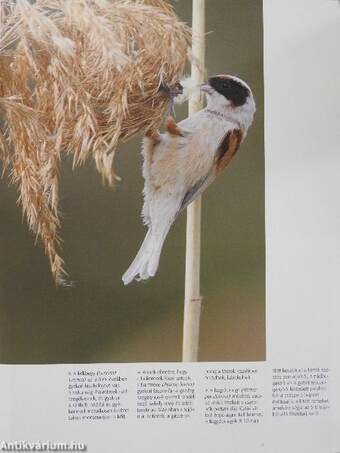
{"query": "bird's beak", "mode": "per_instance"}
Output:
(206, 88)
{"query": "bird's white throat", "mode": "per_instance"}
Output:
(242, 116)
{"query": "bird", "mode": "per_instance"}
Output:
(179, 164)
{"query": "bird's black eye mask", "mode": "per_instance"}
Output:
(231, 89)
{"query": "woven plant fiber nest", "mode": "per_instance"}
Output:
(79, 77)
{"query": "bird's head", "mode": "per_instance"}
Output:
(229, 93)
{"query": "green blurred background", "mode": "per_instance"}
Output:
(100, 320)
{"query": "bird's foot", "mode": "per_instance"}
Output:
(171, 92)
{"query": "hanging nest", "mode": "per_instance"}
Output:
(79, 77)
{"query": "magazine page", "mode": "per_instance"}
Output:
(93, 319)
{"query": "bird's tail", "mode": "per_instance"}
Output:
(146, 262)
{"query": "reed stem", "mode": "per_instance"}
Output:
(193, 299)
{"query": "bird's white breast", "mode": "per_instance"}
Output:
(179, 162)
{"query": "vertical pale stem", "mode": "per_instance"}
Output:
(193, 300)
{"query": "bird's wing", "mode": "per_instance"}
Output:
(224, 153)
(227, 149)
(196, 190)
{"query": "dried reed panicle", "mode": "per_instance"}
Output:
(79, 77)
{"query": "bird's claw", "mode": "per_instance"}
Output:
(171, 92)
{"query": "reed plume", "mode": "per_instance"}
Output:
(79, 77)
